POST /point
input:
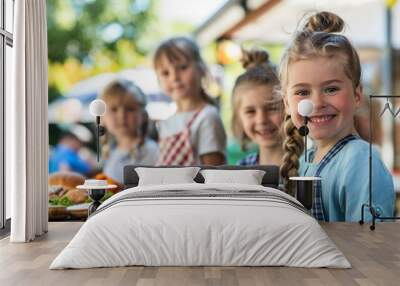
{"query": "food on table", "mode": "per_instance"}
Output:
(63, 191)
(66, 200)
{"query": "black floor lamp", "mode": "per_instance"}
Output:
(370, 205)
(305, 186)
(96, 189)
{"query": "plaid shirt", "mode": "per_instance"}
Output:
(250, 160)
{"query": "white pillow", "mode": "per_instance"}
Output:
(249, 177)
(163, 176)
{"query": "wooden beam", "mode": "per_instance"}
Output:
(250, 17)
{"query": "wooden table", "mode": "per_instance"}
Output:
(374, 255)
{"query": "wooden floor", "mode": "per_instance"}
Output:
(374, 255)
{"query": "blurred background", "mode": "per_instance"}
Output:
(93, 41)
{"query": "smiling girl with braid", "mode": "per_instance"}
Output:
(321, 65)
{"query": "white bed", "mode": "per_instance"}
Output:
(222, 225)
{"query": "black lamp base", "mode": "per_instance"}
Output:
(96, 195)
(305, 193)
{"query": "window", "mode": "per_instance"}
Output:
(6, 44)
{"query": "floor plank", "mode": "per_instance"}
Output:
(374, 255)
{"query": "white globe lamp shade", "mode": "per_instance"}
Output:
(305, 107)
(97, 107)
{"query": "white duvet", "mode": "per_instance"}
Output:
(207, 230)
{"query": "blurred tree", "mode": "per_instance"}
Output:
(87, 37)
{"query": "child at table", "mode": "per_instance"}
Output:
(194, 134)
(321, 65)
(125, 142)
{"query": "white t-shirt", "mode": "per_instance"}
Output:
(207, 133)
(146, 154)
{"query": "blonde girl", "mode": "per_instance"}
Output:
(258, 110)
(194, 134)
(125, 141)
(321, 65)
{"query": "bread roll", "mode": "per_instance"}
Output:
(66, 180)
(77, 196)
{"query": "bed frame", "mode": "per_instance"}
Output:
(270, 179)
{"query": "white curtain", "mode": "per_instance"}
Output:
(26, 123)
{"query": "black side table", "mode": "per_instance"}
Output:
(96, 190)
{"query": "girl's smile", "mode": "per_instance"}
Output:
(266, 132)
(324, 81)
(320, 120)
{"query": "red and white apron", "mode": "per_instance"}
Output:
(177, 149)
